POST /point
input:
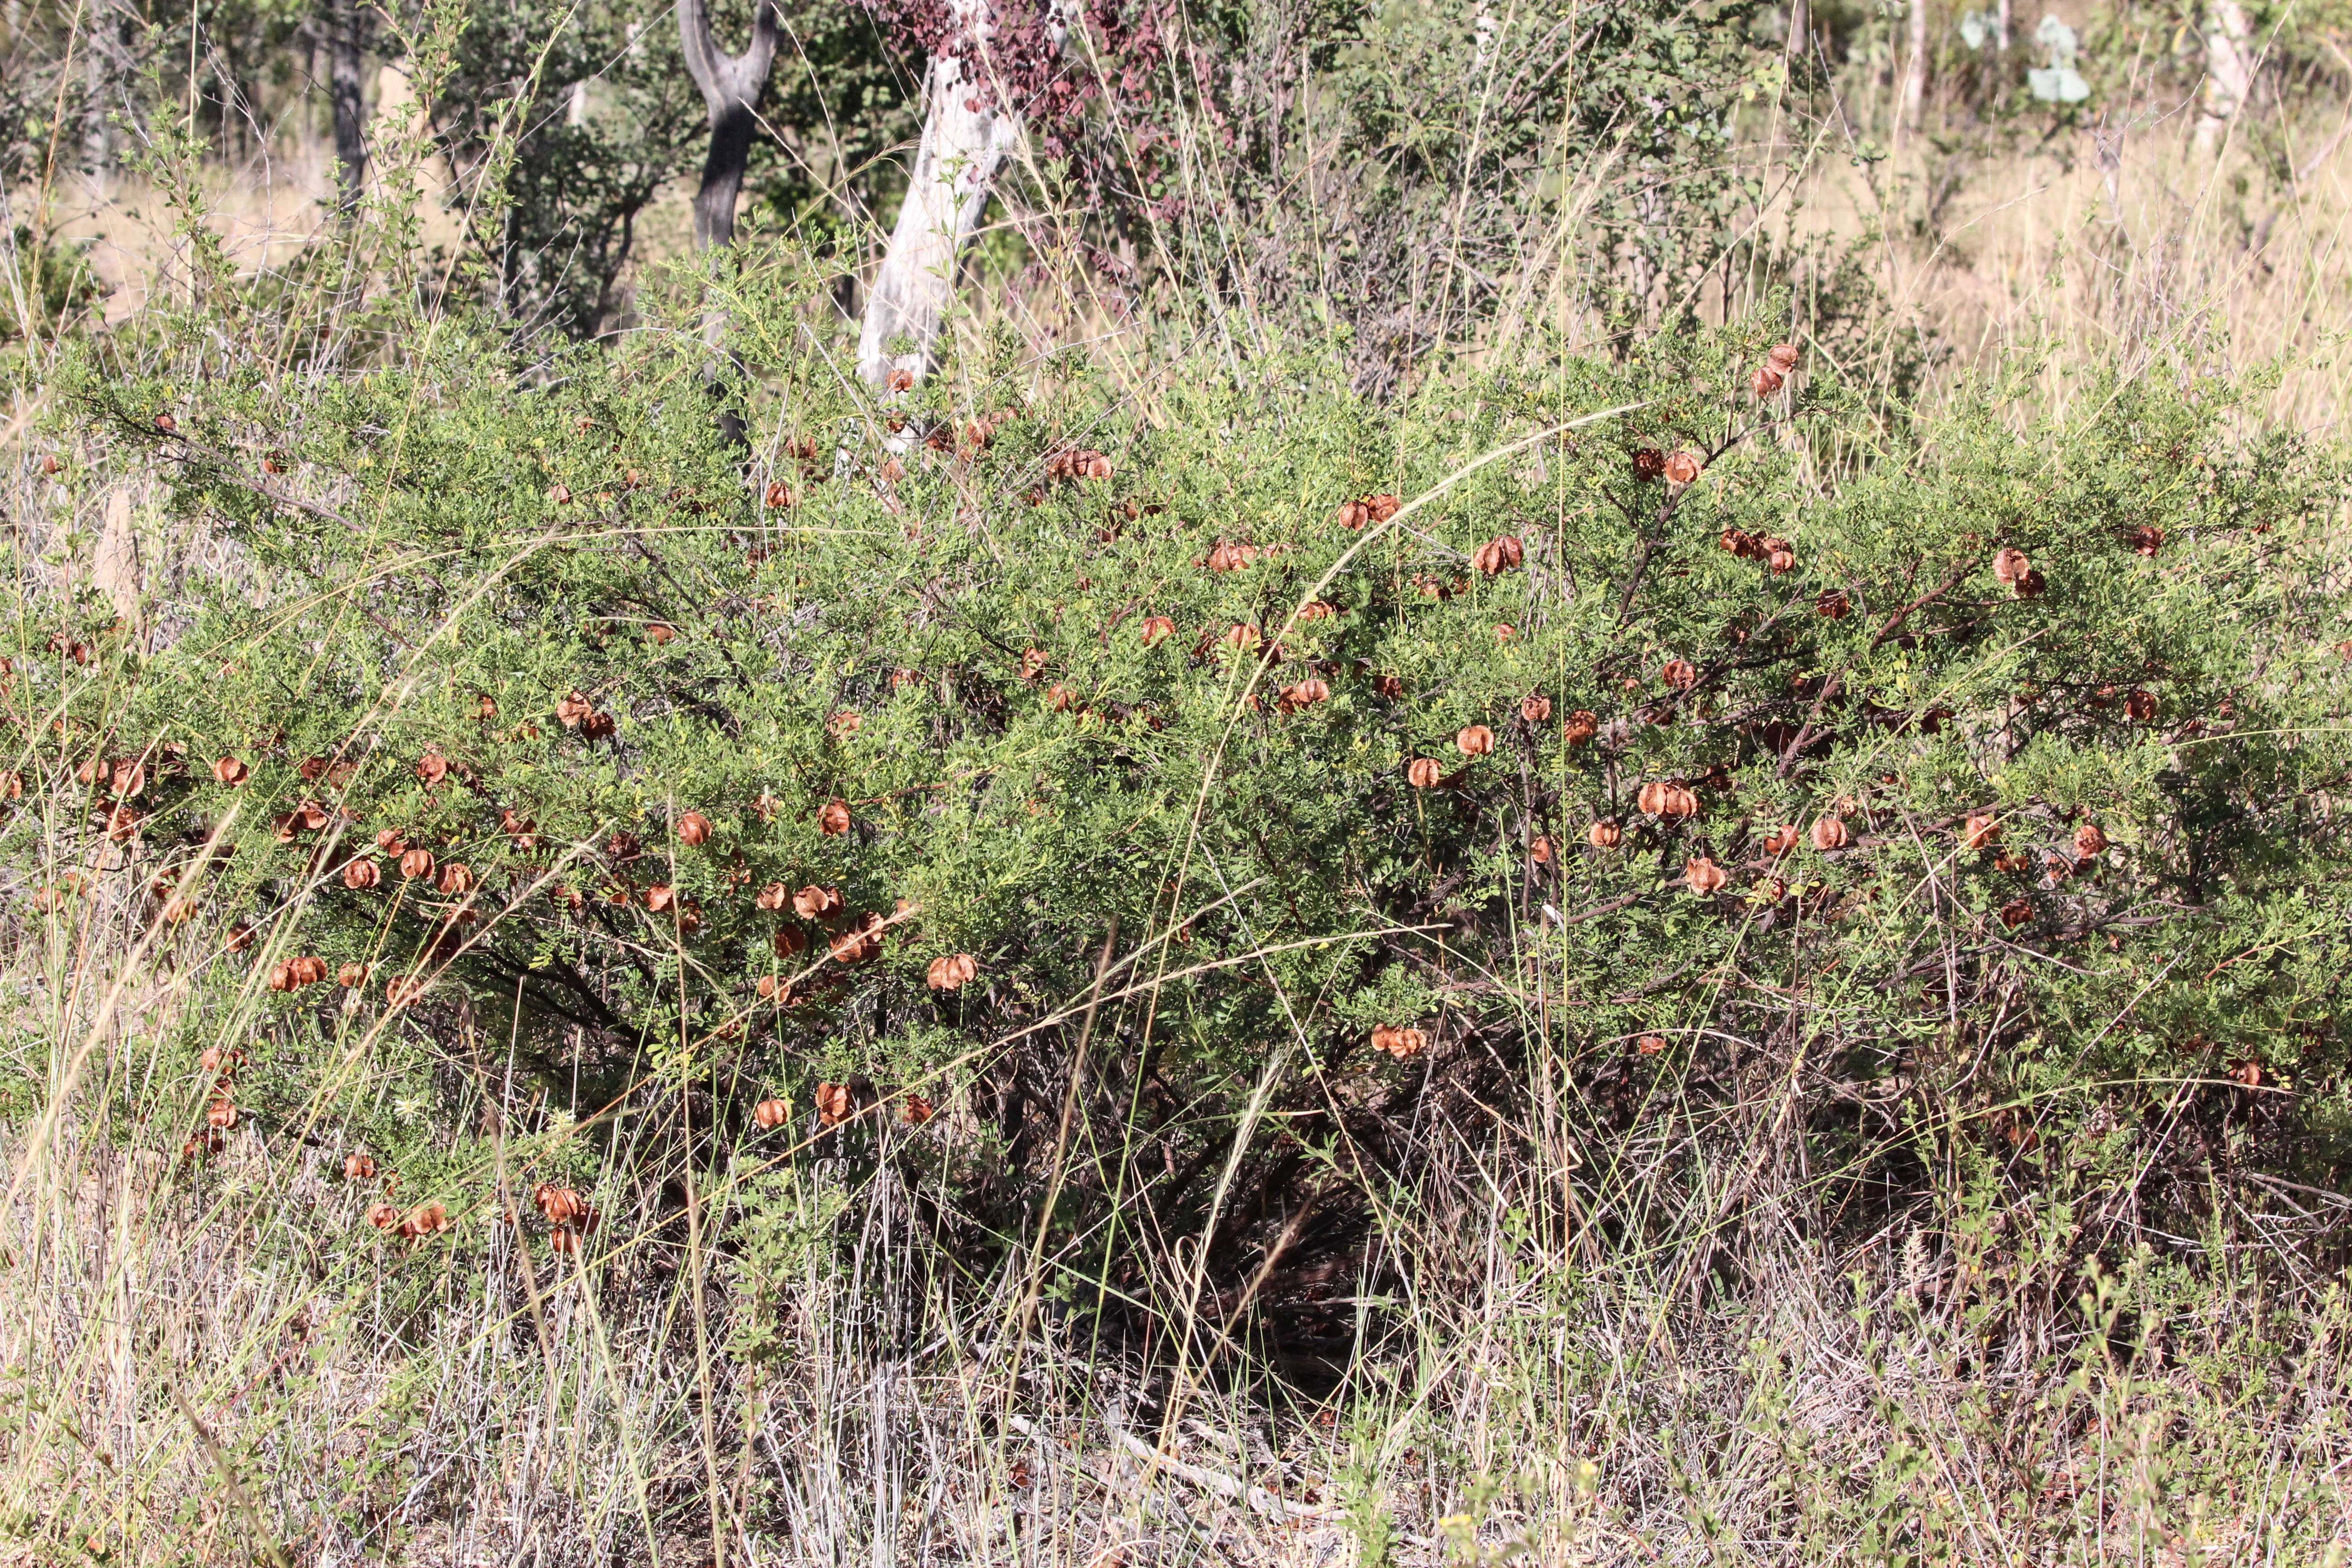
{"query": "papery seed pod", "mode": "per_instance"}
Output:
(1683, 467)
(428, 1219)
(1382, 507)
(573, 709)
(1604, 834)
(780, 495)
(659, 632)
(1580, 727)
(2016, 913)
(1540, 851)
(309, 971)
(832, 818)
(1649, 463)
(166, 424)
(2248, 1072)
(358, 1168)
(1829, 833)
(1423, 772)
(383, 1217)
(1982, 831)
(1782, 839)
(360, 875)
(1832, 604)
(1157, 629)
(1308, 692)
(916, 1112)
(2089, 841)
(1702, 876)
(281, 976)
(834, 1104)
(1498, 555)
(660, 897)
(239, 938)
(774, 896)
(1505, 632)
(1317, 610)
(230, 772)
(1402, 1044)
(815, 904)
(351, 976)
(1474, 740)
(2009, 567)
(1059, 698)
(1535, 708)
(560, 494)
(693, 828)
(1650, 1045)
(847, 721)
(456, 878)
(790, 942)
(768, 987)
(1680, 674)
(952, 972)
(432, 768)
(221, 1113)
(50, 465)
(1780, 556)
(1243, 637)
(2140, 707)
(1782, 357)
(1765, 382)
(2146, 540)
(772, 1114)
(1033, 663)
(1741, 543)
(559, 1204)
(1772, 889)
(220, 1059)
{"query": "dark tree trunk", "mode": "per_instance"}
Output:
(731, 87)
(343, 91)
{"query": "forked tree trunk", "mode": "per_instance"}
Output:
(343, 48)
(967, 136)
(2229, 72)
(731, 87)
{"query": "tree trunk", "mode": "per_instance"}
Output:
(1915, 72)
(731, 87)
(966, 138)
(343, 46)
(2229, 72)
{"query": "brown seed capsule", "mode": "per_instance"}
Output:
(221, 1113)
(2146, 540)
(1604, 835)
(1307, 692)
(1683, 467)
(659, 632)
(358, 1168)
(1498, 555)
(1680, 674)
(1650, 1045)
(1580, 727)
(560, 495)
(352, 976)
(1782, 357)
(1982, 830)
(917, 1110)
(1781, 556)
(456, 878)
(1766, 381)
(1781, 839)
(832, 818)
(1667, 798)
(432, 768)
(1702, 876)
(1649, 463)
(1540, 851)
(1833, 603)
(1157, 629)
(772, 1114)
(361, 874)
(574, 709)
(693, 828)
(833, 1104)
(2016, 913)
(1243, 637)
(774, 896)
(815, 904)
(1474, 740)
(1829, 833)
(230, 772)
(950, 973)
(1535, 709)
(1402, 1044)
(383, 1217)
(790, 942)
(660, 897)
(2140, 707)
(1059, 698)
(1424, 773)
(2089, 841)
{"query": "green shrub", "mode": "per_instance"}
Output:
(447, 574)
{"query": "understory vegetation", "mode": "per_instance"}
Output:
(1638, 907)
